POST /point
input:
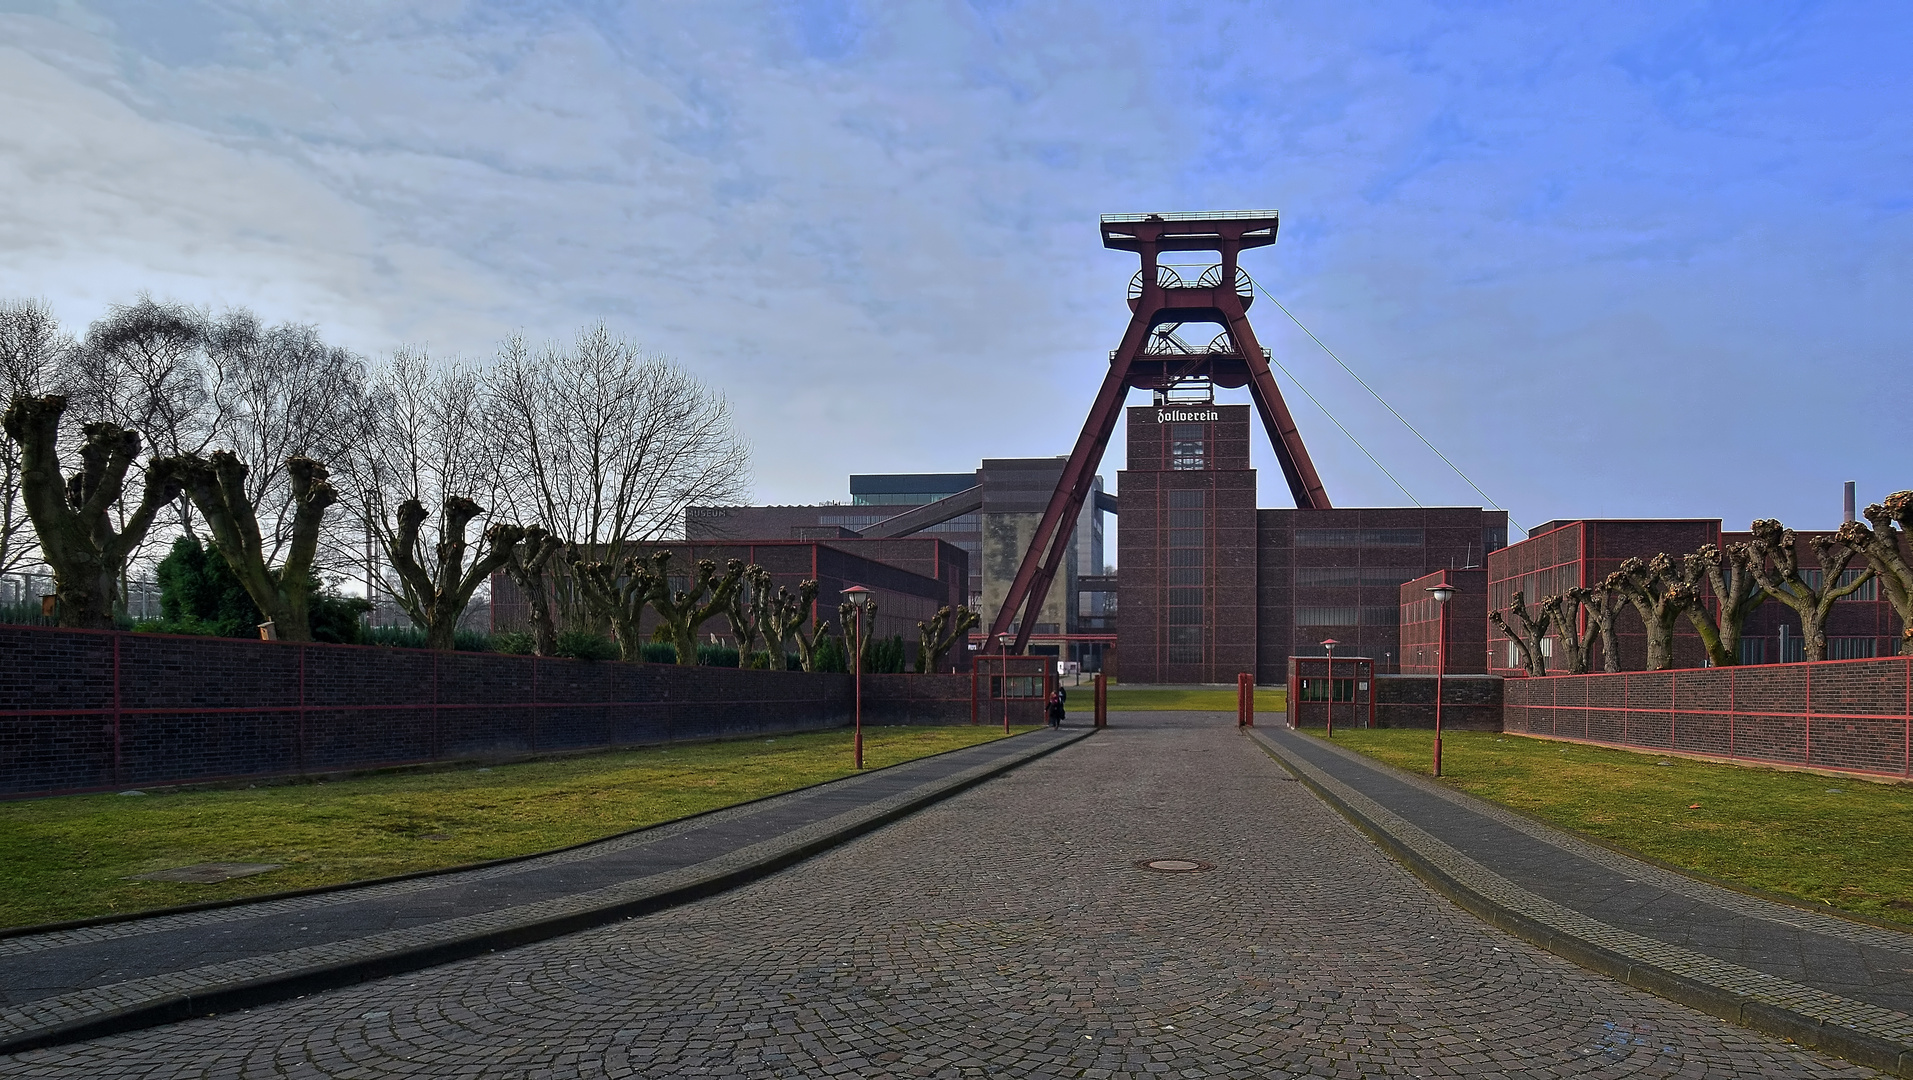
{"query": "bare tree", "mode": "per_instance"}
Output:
(938, 636)
(682, 611)
(1884, 547)
(1776, 566)
(529, 566)
(218, 487)
(618, 592)
(807, 641)
(1600, 606)
(1562, 613)
(1728, 573)
(788, 613)
(279, 394)
(1533, 627)
(142, 367)
(752, 610)
(419, 441)
(435, 588)
(80, 535)
(605, 447)
(33, 352)
(1660, 596)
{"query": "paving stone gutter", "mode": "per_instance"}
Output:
(200, 962)
(1702, 946)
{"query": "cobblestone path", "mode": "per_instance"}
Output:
(1008, 932)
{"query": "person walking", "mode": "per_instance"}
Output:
(1056, 708)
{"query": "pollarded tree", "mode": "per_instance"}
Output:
(750, 610)
(1660, 596)
(808, 642)
(681, 612)
(435, 588)
(1776, 567)
(938, 636)
(618, 593)
(1562, 613)
(788, 613)
(420, 442)
(1600, 605)
(217, 484)
(529, 566)
(82, 536)
(1885, 549)
(1533, 627)
(1727, 573)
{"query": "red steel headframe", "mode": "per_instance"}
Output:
(1164, 298)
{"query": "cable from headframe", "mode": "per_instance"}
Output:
(1385, 405)
(1297, 383)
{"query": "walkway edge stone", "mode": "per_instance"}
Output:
(312, 979)
(1863, 1048)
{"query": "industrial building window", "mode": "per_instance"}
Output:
(1188, 446)
(1328, 616)
(1870, 591)
(1316, 689)
(1187, 600)
(1753, 650)
(1358, 538)
(1349, 577)
(1852, 648)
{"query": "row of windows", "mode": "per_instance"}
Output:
(1358, 538)
(1347, 577)
(1349, 615)
(1188, 447)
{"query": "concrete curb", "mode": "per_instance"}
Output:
(1889, 1055)
(299, 982)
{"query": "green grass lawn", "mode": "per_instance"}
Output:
(1146, 699)
(70, 857)
(1839, 841)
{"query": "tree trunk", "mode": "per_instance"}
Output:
(72, 516)
(1528, 637)
(436, 595)
(217, 485)
(527, 565)
(1660, 596)
(1885, 552)
(1784, 582)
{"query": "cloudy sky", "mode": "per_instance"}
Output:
(1613, 259)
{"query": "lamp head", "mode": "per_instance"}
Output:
(858, 595)
(1442, 593)
(1328, 645)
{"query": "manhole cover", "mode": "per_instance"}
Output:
(1174, 866)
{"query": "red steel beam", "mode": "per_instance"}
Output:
(1226, 235)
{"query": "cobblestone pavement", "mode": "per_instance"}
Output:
(1007, 932)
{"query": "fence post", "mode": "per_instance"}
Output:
(1102, 701)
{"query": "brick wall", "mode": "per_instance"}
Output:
(88, 711)
(1844, 715)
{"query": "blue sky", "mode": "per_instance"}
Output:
(1615, 260)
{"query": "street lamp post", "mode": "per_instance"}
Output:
(1328, 646)
(859, 598)
(1006, 639)
(1442, 594)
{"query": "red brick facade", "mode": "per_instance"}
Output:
(88, 710)
(1843, 715)
(1467, 613)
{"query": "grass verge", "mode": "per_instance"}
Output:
(71, 857)
(1836, 841)
(1082, 700)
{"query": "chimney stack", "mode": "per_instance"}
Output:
(1849, 508)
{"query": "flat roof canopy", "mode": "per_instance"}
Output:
(1190, 230)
